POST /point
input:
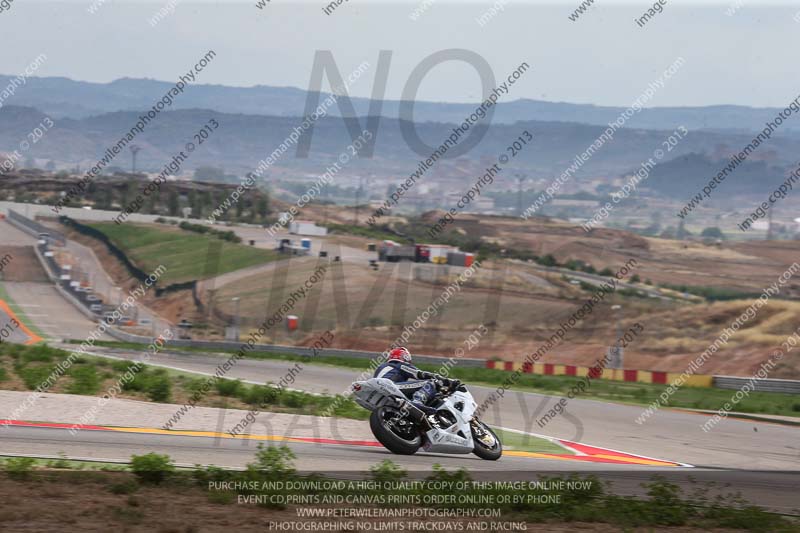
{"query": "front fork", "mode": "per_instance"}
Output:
(485, 437)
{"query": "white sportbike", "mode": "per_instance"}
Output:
(403, 429)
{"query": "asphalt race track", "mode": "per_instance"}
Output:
(669, 434)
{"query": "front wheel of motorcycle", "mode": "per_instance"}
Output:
(487, 445)
(398, 434)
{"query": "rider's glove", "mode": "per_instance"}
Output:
(427, 375)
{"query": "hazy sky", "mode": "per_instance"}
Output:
(602, 58)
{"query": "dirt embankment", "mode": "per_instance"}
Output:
(174, 307)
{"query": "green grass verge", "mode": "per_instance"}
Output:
(527, 443)
(184, 254)
(93, 376)
(599, 389)
(66, 464)
(19, 312)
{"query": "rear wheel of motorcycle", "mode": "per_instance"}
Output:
(480, 432)
(405, 440)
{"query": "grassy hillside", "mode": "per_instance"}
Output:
(185, 255)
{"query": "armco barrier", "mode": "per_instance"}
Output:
(289, 350)
(786, 386)
(616, 374)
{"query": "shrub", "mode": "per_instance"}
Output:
(34, 376)
(258, 395)
(666, 502)
(120, 366)
(41, 353)
(711, 293)
(204, 475)
(126, 487)
(195, 385)
(221, 497)
(140, 381)
(152, 468)
(294, 399)
(159, 388)
(14, 350)
(228, 387)
(387, 470)
(548, 260)
(712, 233)
(61, 462)
(85, 381)
(19, 468)
(274, 461)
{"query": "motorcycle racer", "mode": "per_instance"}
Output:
(420, 385)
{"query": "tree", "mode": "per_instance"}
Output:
(682, 232)
(262, 205)
(548, 260)
(712, 233)
(129, 193)
(173, 203)
(197, 209)
(239, 208)
(652, 230)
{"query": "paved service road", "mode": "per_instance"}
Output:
(11, 236)
(12, 328)
(49, 311)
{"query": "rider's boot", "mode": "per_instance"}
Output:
(421, 412)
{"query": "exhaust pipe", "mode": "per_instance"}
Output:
(417, 415)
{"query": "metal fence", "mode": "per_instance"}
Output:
(289, 350)
(786, 386)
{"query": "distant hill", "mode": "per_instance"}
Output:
(678, 177)
(63, 97)
(241, 141)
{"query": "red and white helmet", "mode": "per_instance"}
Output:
(400, 354)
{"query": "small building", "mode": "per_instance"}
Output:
(307, 227)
